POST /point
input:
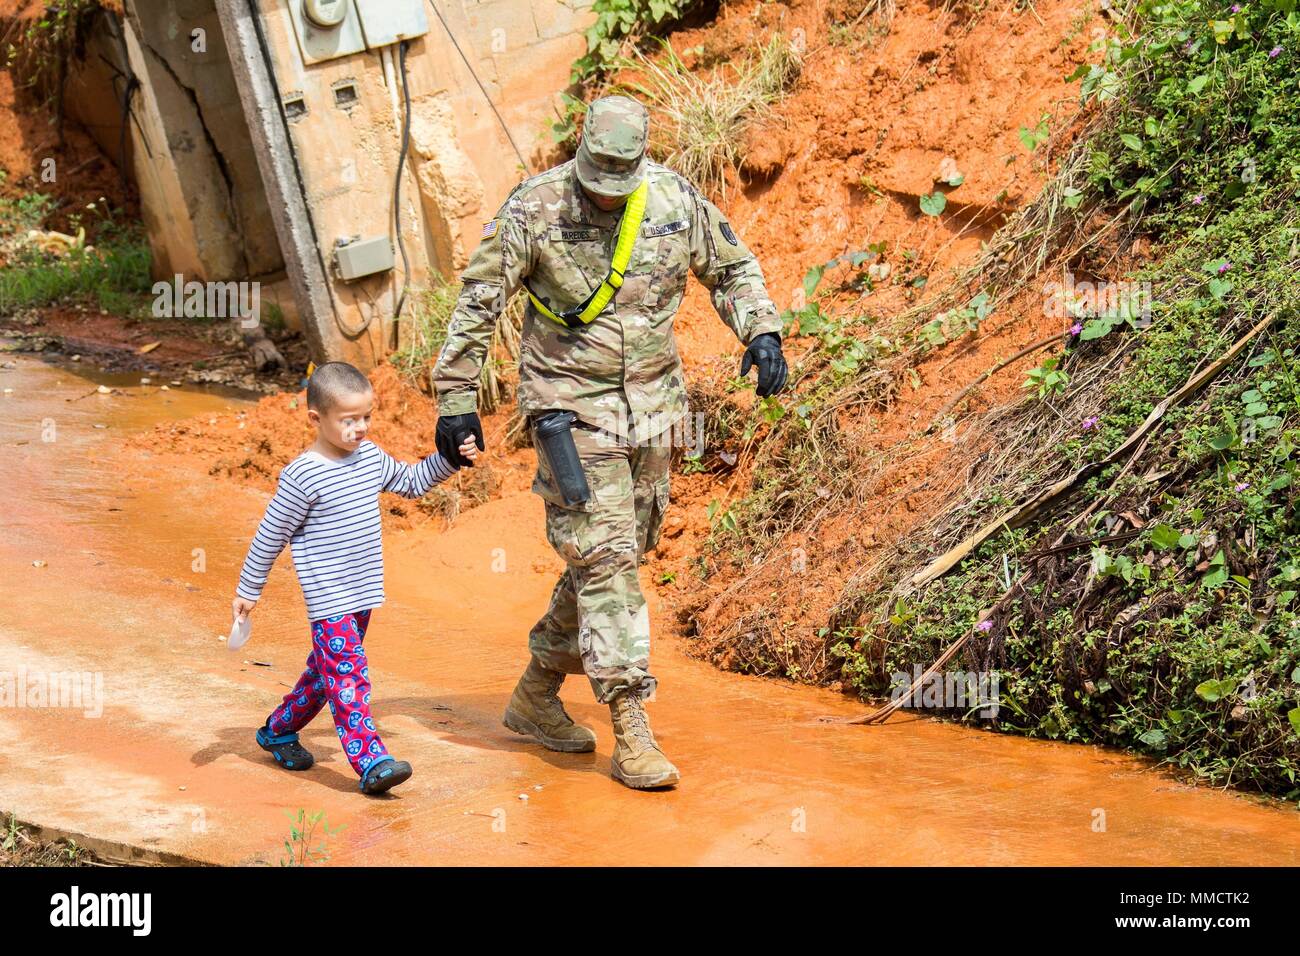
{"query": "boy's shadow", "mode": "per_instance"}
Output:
(319, 737)
(474, 720)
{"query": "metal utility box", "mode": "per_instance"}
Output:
(387, 21)
(363, 257)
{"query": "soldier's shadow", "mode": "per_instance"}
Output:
(474, 720)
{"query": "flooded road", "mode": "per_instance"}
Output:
(140, 553)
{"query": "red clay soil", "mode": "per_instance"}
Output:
(863, 135)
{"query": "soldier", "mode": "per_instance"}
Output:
(597, 341)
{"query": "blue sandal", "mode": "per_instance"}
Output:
(286, 750)
(384, 774)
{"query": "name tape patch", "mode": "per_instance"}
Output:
(573, 234)
(663, 229)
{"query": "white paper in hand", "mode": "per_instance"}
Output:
(239, 632)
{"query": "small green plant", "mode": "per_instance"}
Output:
(621, 23)
(950, 325)
(1047, 379)
(1034, 137)
(722, 519)
(933, 204)
(308, 841)
(693, 464)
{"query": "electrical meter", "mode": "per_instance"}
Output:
(327, 29)
(325, 13)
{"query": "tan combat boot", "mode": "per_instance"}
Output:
(638, 761)
(535, 710)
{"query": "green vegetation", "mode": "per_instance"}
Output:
(19, 848)
(112, 275)
(39, 54)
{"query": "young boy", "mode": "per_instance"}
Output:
(327, 505)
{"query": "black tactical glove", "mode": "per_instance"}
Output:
(765, 352)
(452, 430)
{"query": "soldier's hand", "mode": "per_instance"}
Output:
(455, 429)
(765, 353)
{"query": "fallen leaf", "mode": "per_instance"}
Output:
(146, 349)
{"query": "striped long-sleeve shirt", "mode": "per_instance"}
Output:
(329, 511)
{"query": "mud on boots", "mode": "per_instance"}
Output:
(535, 710)
(637, 762)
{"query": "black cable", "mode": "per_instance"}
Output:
(397, 182)
(522, 162)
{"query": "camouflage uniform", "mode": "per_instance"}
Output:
(620, 374)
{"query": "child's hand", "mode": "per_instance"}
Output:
(469, 449)
(243, 607)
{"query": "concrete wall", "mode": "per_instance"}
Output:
(201, 193)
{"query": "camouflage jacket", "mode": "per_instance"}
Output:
(621, 372)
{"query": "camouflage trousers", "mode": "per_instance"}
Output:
(597, 622)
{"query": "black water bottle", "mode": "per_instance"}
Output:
(555, 439)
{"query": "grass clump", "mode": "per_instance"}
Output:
(702, 119)
(426, 331)
(112, 275)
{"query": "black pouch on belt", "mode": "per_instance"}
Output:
(555, 440)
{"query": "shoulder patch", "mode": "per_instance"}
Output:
(725, 228)
(489, 229)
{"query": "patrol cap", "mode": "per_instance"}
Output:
(611, 156)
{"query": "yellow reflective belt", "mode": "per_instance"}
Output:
(628, 227)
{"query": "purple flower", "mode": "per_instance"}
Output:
(1224, 267)
(985, 626)
(1198, 199)
(1236, 8)
(1090, 422)
(1243, 486)
(1274, 52)
(1076, 328)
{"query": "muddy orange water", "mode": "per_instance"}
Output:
(140, 561)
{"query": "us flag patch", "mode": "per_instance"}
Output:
(489, 229)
